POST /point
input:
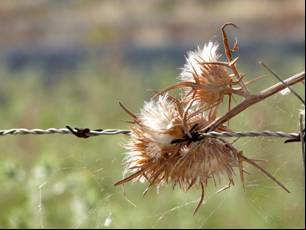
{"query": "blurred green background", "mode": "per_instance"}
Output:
(70, 62)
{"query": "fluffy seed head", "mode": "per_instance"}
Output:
(194, 58)
(205, 83)
(160, 152)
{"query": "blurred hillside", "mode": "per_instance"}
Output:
(60, 35)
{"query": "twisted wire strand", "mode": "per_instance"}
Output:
(265, 133)
(23, 131)
(98, 132)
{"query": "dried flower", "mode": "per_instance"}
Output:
(205, 79)
(165, 148)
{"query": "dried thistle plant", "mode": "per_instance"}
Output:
(166, 147)
(166, 144)
(205, 80)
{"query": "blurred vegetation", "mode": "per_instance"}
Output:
(64, 182)
(70, 62)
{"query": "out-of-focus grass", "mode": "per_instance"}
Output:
(61, 181)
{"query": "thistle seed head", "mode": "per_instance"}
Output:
(163, 149)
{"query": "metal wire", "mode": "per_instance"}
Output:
(23, 131)
(98, 132)
(265, 133)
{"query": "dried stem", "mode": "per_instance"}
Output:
(228, 54)
(253, 99)
(278, 78)
(264, 172)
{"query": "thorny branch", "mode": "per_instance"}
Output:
(253, 99)
(284, 83)
(250, 99)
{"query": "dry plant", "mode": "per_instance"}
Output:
(167, 145)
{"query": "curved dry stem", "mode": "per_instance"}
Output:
(228, 53)
(129, 112)
(201, 200)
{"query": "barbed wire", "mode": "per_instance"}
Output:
(98, 132)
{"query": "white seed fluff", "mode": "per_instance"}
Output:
(207, 54)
